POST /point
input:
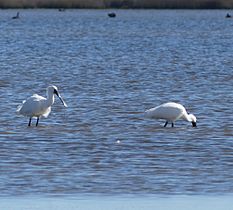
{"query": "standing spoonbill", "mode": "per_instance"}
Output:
(170, 112)
(37, 106)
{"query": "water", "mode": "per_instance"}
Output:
(183, 202)
(109, 71)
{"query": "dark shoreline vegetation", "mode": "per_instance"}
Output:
(124, 4)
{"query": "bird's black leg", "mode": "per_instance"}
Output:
(165, 124)
(29, 123)
(37, 121)
(172, 124)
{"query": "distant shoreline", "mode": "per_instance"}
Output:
(108, 8)
(117, 4)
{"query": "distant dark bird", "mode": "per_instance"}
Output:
(17, 16)
(228, 15)
(112, 14)
(61, 10)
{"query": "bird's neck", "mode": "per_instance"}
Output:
(50, 99)
(187, 117)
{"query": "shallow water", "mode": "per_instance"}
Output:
(115, 203)
(109, 71)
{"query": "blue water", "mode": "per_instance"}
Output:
(113, 203)
(109, 71)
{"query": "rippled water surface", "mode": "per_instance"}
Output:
(109, 71)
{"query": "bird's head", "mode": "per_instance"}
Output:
(193, 120)
(53, 89)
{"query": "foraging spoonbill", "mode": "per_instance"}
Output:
(37, 106)
(170, 112)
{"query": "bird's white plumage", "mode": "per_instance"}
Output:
(37, 106)
(34, 106)
(170, 112)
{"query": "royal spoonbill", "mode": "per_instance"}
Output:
(170, 112)
(37, 106)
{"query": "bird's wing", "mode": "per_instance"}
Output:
(33, 106)
(172, 114)
(168, 111)
(40, 103)
(36, 97)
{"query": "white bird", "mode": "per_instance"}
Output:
(37, 106)
(170, 112)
